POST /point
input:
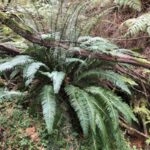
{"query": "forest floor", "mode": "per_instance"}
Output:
(19, 130)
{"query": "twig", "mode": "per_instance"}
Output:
(133, 130)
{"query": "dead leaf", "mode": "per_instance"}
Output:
(31, 132)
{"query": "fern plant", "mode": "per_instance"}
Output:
(84, 84)
(137, 25)
(135, 4)
(97, 107)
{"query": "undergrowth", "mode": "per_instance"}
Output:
(20, 129)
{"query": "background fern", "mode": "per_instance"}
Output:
(137, 25)
(135, 4)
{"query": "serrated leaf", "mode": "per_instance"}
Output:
(49, 106)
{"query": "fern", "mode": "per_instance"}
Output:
(108, 104)
(57, 78)
(30, 71)
(114, 100)
(79, 104)
(97, 107)
(96, 44)
(17, 61)
(137, 25)
(9, 95)
(117, 79)
(135, 4)
(73, 60)
(104, 135)
(49, 106)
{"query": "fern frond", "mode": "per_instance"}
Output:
(103, 131)
(73, 60)
(113, 100)
(108, 104)
(86, 104)
(57, 78)
(95, 118)
(118, 80)
(30, 71)
(135, 4)
(49, 106)
(137, 25)
(9, 95)
(17, 61)
(96, 44)
(79, 104)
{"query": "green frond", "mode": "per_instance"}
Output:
(9, 95)
(73, 60)
(104, 135)
(95, 112)
(137, 25)
(79, 104)
(135, 4)
(113, 100)
(86, 104)
(17, 61)
(118, 80)
(57, 78)
(30, 71)
(51, 36)
(105, 100)
(96, 44)
(48, 105)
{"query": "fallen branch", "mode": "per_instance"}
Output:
(121, 59)
(26, 33)
(9, 50)
(133, 131)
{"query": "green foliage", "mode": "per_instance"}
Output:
(79, 83)
(118, 80)
(137, 25)
(97, 109)
(49, 106)
(57, 78)
(110, 99)
(30, 71)
(142, 109)
(135, 4)
(78, 100)
(96, 44)
(17, 61)
(9, 95)
(97, 113)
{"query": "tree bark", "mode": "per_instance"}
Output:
(9, 50)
